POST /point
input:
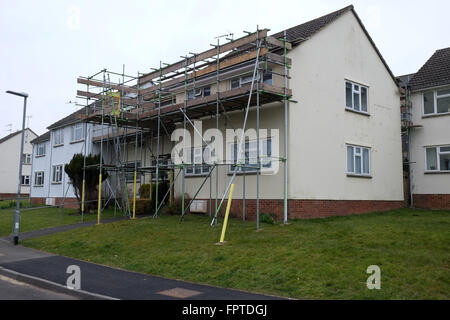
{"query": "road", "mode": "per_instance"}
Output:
(11, 289)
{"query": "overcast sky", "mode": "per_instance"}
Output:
(47, 44)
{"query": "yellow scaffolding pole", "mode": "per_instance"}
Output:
(225, 222)
(99, 197)
(134, 196)
(171, 187)
(82, 196)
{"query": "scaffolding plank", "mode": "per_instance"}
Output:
(231, 62)
(96, 83)
(278, 58)
(278, 43)
(202, 56)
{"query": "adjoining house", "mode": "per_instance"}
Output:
(51, 152)
(344, 148)
(428, 93)
(9, 169)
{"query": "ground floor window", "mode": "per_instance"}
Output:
(39, 178)
(250, 161)
(358, 160)
(57, 174)
(198, 165)
(437, 158)
(25, 180)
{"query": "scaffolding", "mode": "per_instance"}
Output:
(146, 106)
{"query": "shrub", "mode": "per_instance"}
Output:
(144, 191)
(266, 218)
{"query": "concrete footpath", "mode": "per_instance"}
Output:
(48, 271)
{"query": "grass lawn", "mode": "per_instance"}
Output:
(44, 218)
(312, 259)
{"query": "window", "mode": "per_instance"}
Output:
(25, 180)
(129, 172)
(40, 149)
(199, 156)
(267, 76)
(358, 160)
(235, 83)
(58, 137)
(356, 97)
(436, 102)
(57, 174)
(39, 178)
(26, 158)
(250, 164)
(202, 92)
(166, 103)
(438, 158)
(77, 132)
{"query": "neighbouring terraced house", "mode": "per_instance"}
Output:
(428, 124)
(9, 170)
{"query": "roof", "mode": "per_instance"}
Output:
(42, 138)
(404, 80)
(9, 136)
(70, 119)
(305, 30)
(434, 73)
(302, 32)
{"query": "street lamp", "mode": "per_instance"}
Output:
(17, 213)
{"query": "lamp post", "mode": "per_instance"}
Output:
(17, 213)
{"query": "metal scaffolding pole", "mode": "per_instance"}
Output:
(285, 207)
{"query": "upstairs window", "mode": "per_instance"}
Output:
(40, 149)
(436, 102)
(58, 137)
(199, 93)
(356, 97)
(26, 158)
(77, 132)
(438, 159)
(358, 160)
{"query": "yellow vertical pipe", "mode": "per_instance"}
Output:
(134, 196)
(82, 196)
(225, 222)
(151, 187)
(171, 187)
(99, 197)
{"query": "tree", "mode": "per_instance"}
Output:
(74, 169)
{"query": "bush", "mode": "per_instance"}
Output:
(144, 191)
(175, 208)
(267, 218)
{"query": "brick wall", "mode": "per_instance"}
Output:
(307, 209)
(71, 203)
(432, 201)
(13, 195)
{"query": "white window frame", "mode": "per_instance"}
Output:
(58, 137)
(25, 180)
(39, 175)
(74, 129)
(57, 170)
(266, 161)
(41, 149)
(361, 154)
(26, 158)
(438, 153)
(129, 174)
(197, 154)
(199, 93)
(353, 90)
(435, 98)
